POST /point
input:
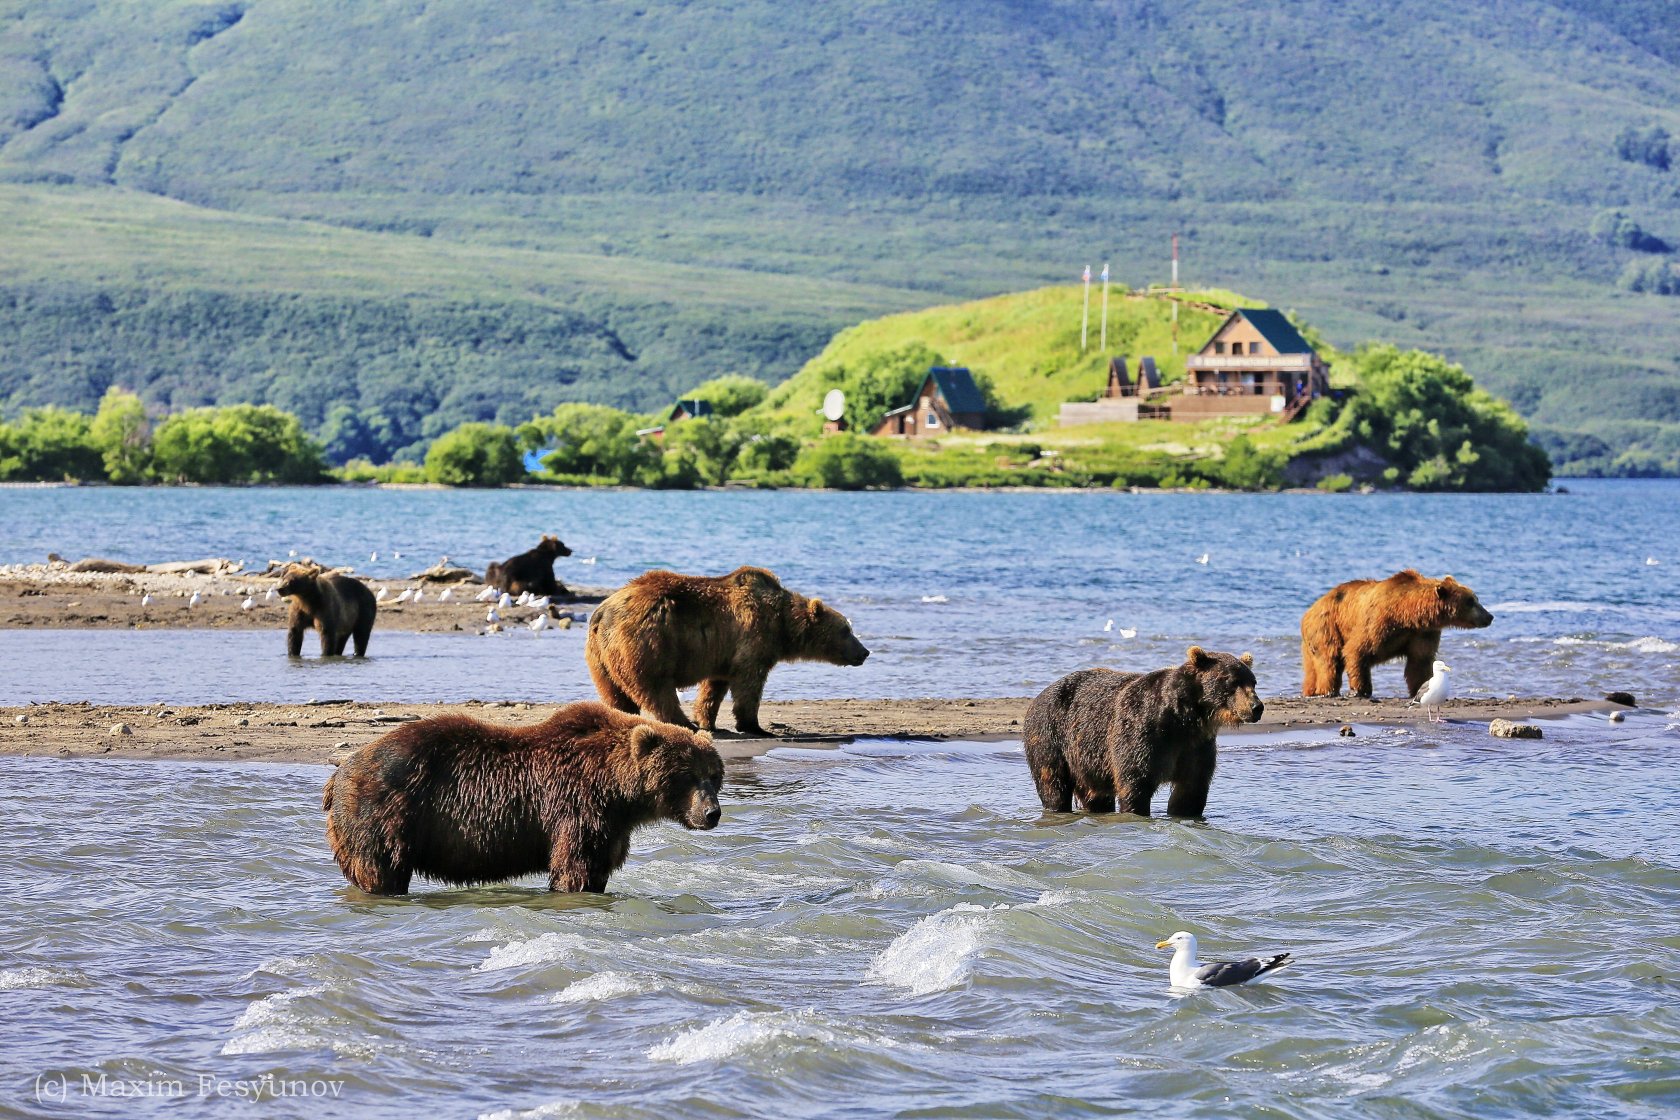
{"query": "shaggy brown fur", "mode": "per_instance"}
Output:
(1365, 622)
(663, 631)
(462, 801)
(1112, 739)
(531, 571)
(338, 607)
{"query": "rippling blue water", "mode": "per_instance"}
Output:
(1482, 928)
(958, 593)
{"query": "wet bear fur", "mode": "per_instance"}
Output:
(1109, 740)
(1360, 624)
(463, 801)
(663, 631)
(532, 571)
(338, 607)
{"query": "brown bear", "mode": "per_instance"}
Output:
(531, 571)
(1111, 739)
(663, 631)
(463, 801)
(1364, 622)
(337, 606)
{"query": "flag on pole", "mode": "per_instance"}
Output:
(1104, 343)
(1085, 322)
(1105, 272)
(1087, 276)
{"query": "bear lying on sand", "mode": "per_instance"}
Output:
(463, 801)
(338, 607)
(1111, 739)
(1364, 622)
(663, 631)
(531, 571)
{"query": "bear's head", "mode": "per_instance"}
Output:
(295, 578)
(551, 546)
(824, 634)
(1458, 606)
(1228, 688)
(681, 770)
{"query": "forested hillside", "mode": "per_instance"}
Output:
(497, 203)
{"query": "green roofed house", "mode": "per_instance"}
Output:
(689, 410)
(948, 399)
(1255, 363)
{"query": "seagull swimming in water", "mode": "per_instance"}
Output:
(1187, 972)
(1108, 627)
(587, 560)
(373, 558)
(1202, 559)
(1435, 690)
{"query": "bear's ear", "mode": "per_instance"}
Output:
(1247, 659)
(643, 740)
(1198, 658)
(816, 608)
(1442, 591)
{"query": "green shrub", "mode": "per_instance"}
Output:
(1649, 146)
(591, 442)
(50, 445)
(1246, 467)
(123, 435)
(239, 444)
(1336, 483)
(1658, 278)
(729, 395)
(476, 455)
(846, 461)
(1615, 229)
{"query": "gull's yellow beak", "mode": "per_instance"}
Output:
(1163, 944)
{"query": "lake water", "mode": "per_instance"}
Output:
(956, 593)
(1482, 928)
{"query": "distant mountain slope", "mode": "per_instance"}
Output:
(1405, 169)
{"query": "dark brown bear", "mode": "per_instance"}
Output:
(1364, 622)
(338, 607)
(531, 571)
(1111, 739)
(462, 801)
(663, 631)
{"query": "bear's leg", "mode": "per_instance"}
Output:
(706, 705)
(1420, 660)
(1359, 673)
(1190, 781)
(748, 689)
(1055, 785)
(568, 867)
(1320, 675)
(338, 638)
(611, 695)
(294, 639)
(658, 700)
(1094, 802)
(364, 629)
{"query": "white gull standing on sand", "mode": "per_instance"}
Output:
(446, 596)
(250, 604)
(146, 600)
(505, 601)
(195, 600)
(1434, 692)
(1187, 972)
(540, 623)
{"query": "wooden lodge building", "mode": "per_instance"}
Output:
(1121, 400)
(948, 399)
(1255, 363)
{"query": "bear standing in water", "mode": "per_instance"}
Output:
(532, 570)
(1362, 623)
(464, 801)
(663, 631)
(338, 607)
(1112, 739)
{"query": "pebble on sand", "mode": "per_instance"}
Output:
(1506, 729)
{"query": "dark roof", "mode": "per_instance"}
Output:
(1117, 368)
(1148, 375)
(957, 386)
(1276, 330)
(694, 408)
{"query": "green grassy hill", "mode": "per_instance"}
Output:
(481, 197)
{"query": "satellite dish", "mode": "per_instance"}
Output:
(834, 405)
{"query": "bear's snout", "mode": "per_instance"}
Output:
(859, 653)
(1257, 711)
(704, 812)
(1480, 617)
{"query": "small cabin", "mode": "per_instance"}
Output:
(1120, 398)
(948, 399)
(1255, 363)
(689, 410)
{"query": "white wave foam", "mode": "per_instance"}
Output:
(14, 978)
(289, 966)
(936, 953)
(1519, 606)
(541, 1112)
(539, 950)
(273, 1024)
(1637, 645)
(741, 1032)
(607, 985)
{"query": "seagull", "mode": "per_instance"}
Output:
(405, 596)
(146, 600)
(250, 604)
(524, 598)
(1652, 561)
(1187, 972)
(195, 600)
(935, 599)
(540, 602)
(292, 554)
(491, 615)
(419, 594)
(1108, 627)
(587, 560)
(446, 596)
(270, 595)
(1616, 717)
(487, 594)
(505, 601)
(1202, 559)
(1128, 632)
(373, 558)
(540, 623)
(383, 591)
(1435, 690)
(396, 556)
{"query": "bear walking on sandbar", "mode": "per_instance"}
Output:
(463, 801)
(1362, 623)
(1111, 739)
(338, 607)
(663, 631)
(532, 570)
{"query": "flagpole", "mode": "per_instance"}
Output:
(1085, 323)
(1104, 346)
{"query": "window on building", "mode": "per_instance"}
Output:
(933, 420)
(1254, 348)
(1219, 348)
